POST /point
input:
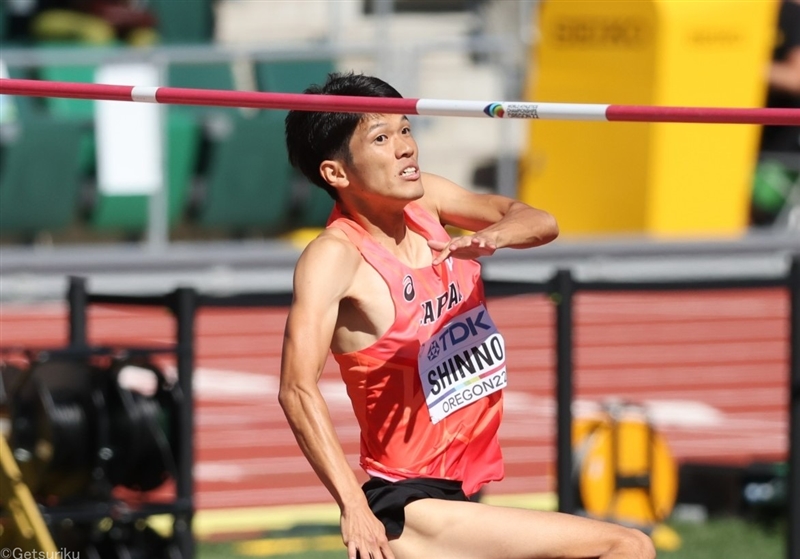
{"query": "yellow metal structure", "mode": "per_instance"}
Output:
(28, 530)
(626, 472)
(653, 179)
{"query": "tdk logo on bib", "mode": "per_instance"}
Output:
(463, 362)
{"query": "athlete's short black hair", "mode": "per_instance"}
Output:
(312, 137)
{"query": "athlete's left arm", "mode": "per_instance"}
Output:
(497, 221)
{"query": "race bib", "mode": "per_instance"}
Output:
(462, 363)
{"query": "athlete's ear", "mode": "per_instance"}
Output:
(334, 173)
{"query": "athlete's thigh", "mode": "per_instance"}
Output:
(437, 529)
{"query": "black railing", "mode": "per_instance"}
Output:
(183, 304)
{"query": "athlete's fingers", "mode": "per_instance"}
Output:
(465, 253)
(444, 252)
(437, 245)
(472, 242)
(467, 247)
(387, 551)
(483, 242)
(455, 245)
(354, 551)
(378, 554)
(481, 246)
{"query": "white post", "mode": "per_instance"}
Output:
(158, 202)
(131, 145)
(383, 37)
(335, 22)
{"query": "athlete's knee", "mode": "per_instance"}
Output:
(633, 544)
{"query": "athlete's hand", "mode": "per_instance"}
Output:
(364, 535)
(468, 247)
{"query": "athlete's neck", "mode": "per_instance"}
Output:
(387, 224)
(389, 228)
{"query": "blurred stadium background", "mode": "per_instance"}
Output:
(149, 245)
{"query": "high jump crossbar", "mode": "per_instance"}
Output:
(382, 105)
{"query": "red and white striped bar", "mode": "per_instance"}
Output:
(429, 107)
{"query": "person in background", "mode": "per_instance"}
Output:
(93, 22)
(777, 171)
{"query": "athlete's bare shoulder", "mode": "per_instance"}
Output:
(331, 246)
(331, 237)
(329, 263)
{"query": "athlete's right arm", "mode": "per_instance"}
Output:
(323, 277)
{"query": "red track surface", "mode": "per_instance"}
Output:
(715, 366)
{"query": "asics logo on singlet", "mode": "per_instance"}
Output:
(432, 309)
(408, 289)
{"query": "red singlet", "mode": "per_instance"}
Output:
(399, 439)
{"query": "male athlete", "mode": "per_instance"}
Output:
(401, 306)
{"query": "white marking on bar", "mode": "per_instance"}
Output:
(506, 109)
(443, 107)
(566, 111)
(144, 94)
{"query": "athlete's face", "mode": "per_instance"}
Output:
(383, 160)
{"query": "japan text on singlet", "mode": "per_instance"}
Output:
(428, 393)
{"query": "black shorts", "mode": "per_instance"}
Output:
(388, 499)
